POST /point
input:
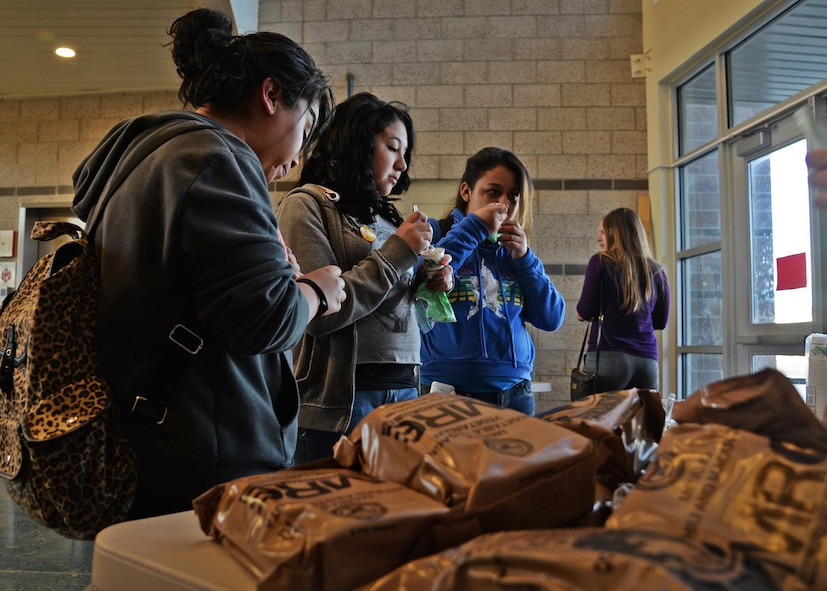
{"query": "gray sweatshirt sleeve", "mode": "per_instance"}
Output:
(314, 232)
(243, 282)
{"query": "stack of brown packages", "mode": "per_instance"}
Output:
(746, 468)
(414, 478)
(503, 468)
(735, 496)
(737, 503)
(625, 427)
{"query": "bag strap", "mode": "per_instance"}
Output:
(321, 194)
(599, 328)
(583, 346)
(181, 341)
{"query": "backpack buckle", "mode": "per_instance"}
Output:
(145, 400)
(186, 339)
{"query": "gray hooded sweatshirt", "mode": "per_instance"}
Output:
(190, 237)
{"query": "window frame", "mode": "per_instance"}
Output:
(736, 357)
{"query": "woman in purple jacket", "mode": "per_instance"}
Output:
(634, 293)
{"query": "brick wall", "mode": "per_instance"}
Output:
(549, 79)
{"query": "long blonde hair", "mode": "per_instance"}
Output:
(628, 247)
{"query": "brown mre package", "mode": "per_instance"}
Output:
(766, 403)
(722, 486)
(319, 530)
(625, 427)
(578, 559)
(473, 456)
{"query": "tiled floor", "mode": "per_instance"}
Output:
(34, 558)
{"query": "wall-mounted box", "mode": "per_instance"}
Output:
(8, 243)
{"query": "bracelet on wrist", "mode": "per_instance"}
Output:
(322, 299)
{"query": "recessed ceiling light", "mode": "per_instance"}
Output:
(66, 52)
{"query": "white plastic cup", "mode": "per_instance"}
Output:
(815, 348)
(433, 256)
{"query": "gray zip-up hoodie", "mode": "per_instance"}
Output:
(191, 237)
(326, 358)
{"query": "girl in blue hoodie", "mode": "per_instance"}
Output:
(500, 285)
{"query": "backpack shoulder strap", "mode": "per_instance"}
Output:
(318, 192)
(144, 377)
(325, 200)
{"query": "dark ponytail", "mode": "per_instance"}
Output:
(224, 70)
(201, 51)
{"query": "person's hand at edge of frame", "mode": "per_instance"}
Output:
(817, 162)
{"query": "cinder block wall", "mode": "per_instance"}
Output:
(548, 79)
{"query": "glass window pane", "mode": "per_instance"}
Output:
(697, 111)
(792, 366)
(701, 300)
(780, 60)
(780, 237)
(701, 369)
(700, 202)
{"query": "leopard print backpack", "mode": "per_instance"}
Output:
(63, 452)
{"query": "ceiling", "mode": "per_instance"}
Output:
(120, 45)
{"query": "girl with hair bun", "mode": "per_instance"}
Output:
(634, 293)
(200, 300)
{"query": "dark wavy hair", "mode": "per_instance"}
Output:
(225, 70)
(342, 158)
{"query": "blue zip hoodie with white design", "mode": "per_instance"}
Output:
(488, 348)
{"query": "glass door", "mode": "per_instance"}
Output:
(775, 252)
